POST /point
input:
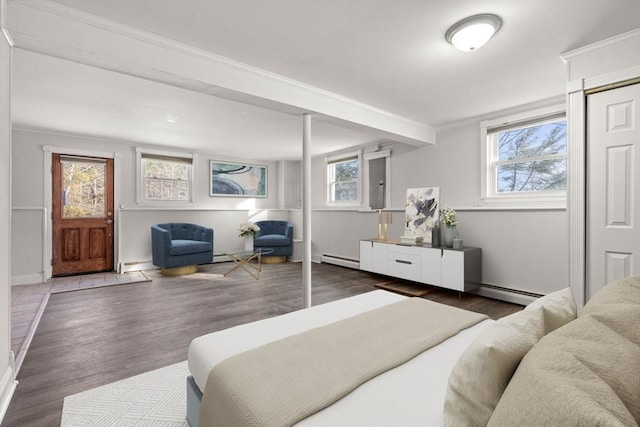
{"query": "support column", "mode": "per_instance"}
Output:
(7, 364)
(576, 184)
(306, 208)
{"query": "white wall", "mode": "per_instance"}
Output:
(525, 250)
(522, 250)
(7, 384)
(513, 242)
(224, 214)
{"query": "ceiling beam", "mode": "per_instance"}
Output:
(53, 29)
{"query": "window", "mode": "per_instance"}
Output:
(83, 181)
(525, 160)
(343, 178)
(165, 177)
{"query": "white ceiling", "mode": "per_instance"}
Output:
(390, 54)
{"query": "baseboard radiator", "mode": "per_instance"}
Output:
(515, 296)
(341, 261)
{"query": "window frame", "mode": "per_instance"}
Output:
(339, 158)
(535, 199)
(141, 153)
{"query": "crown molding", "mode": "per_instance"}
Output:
(571, 54)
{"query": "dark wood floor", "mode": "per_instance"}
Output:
(97, 336)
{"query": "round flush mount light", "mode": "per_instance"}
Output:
(473, 32)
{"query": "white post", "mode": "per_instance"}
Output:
(576, 186)
(306, 208)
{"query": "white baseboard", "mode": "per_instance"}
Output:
(7, 387)
(136, 266)
(343, 262)
(27, 279)
(504, 295)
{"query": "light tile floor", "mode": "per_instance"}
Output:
(28, 303)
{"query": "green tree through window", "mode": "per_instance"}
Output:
(532, 159)
(166, 179)
(343, 176)
(83, 184)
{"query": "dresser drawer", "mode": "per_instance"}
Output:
(404, 257)
(404, 267)
(400, 250)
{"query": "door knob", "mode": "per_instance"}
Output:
(109, 221)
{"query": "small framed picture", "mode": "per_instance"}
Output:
(237, 179)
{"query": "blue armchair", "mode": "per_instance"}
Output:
(178, 248)
(276, 235)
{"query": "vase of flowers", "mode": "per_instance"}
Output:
(449, 231)
(248, 230)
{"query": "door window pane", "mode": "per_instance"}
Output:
(83, 189)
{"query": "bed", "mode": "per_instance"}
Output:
(433, 388)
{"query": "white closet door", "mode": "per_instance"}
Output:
(613, 186)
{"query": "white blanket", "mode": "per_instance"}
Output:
(409, 395)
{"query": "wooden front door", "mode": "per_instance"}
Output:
(82, 214)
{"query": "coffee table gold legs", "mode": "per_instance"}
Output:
(243, 263)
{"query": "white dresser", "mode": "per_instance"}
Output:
(457, 269)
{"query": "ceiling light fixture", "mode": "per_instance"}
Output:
(473, 32)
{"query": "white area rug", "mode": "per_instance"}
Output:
(155, 399)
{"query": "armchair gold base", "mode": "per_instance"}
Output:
(273, 259)
(179, 271)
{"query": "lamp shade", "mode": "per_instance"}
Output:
(473, 32)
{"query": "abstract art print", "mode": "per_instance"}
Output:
(237, 179)
(421, 212)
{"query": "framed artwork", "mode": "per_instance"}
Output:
(237, 179)
(421, 211)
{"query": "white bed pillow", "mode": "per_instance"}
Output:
(559, 309)
(483, 371)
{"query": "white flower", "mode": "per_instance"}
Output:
(449, 217)
(248, 229)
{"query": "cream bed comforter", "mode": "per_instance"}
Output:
(411, 394)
